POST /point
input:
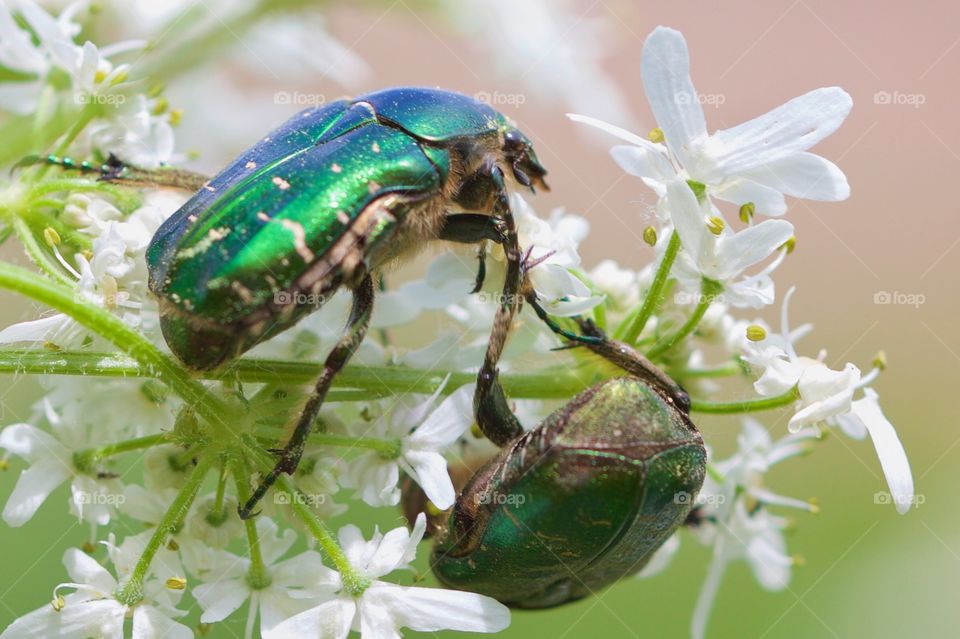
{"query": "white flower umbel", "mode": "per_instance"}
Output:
(719, 254)
(92, 611)
(826, 396)
(733, 515)
(421, 439)
(51, 459)
(382, 608)
(756, 162)
(273, 595)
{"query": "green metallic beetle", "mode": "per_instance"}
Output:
(322, 203)
(583, 499)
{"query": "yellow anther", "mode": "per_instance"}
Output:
(790, 244)
(656, 135)
(716, 224)
(756, 333)
(880, 360)
(747, 212)
(650, 236)
(51, 237)
(58, 603)
(177, 583)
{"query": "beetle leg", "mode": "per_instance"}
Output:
(490, 407)
(630, 360)
(337, 358)
(474, 228)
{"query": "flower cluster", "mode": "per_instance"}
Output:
(158, 460)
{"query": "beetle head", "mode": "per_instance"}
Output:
(518, 152)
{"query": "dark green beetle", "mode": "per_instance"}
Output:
(321, 204)
(583, 499)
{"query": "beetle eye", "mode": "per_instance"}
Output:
(513, 141)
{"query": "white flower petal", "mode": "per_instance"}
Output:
(614, 130)
(151, 623)
(33, 487)
(447, 423)
(220, 598)
(84, 569)
(101, 618)
(430, 472)
(433, 609)
(642, 161)
(665, 69)
(768, 201)
(688, 219)
(893, 458)
(329, 620)
(741, 250)
(794, 126)
(802, 175)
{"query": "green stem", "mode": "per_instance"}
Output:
(353, 582)
(218, 514)
(389, 449)
(654, 295)
(723, 370)
(117, 448)
(132, 591)
(102, 322)
(258, 576)
(37, 254)
(550, 383)
(747, 405)
(708, 290)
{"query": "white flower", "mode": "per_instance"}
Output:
(552, 245)
(827, 396)
(757, 538)
(724, 257)
(91, 610)
(422, 438)
(226, 586)
(215, 529)
(383, 608)
(50, 456)
(758, 161)
(114, 278)
(621, 285)
(140, 137)
(87, 67)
